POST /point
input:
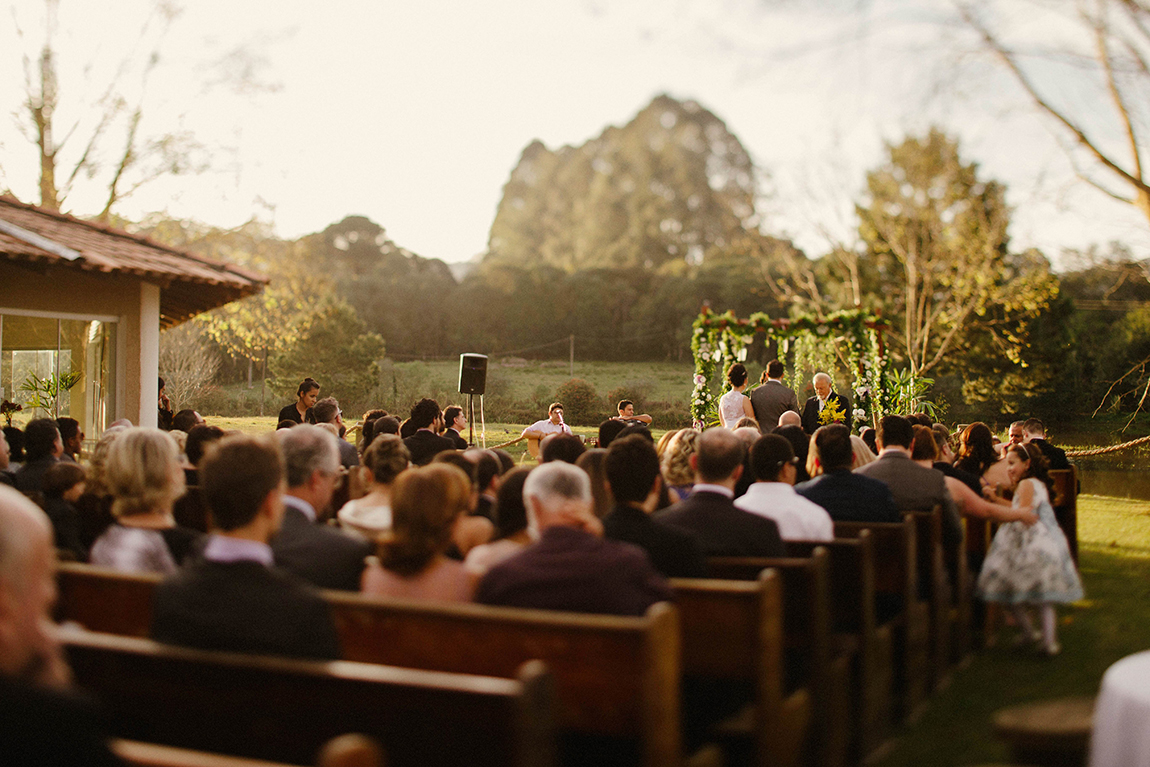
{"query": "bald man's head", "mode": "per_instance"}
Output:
(28, 645)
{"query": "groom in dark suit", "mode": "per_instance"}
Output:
(772, 398)
(823, 398)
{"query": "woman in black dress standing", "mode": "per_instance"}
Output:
(306, 396)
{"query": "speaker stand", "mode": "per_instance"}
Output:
(470, 420)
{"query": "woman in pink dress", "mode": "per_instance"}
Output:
(426, 505)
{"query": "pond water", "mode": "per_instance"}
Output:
(1124, 474)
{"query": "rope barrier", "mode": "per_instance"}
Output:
(1104, 450)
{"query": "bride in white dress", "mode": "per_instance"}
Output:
(734, 405)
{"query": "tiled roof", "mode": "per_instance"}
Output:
(189, 283)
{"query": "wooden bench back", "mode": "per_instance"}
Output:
(284, 710)
(614, 676)
(895, 559)
(852, 580)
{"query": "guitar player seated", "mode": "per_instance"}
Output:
(553, 424)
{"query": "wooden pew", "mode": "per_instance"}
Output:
(934, 586)
(854, 625)
(809, 661)
(732, 633)
(616, 678)
(898, 605)
(283, 709)
(344, 751)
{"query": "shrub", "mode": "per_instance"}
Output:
(581, 403)
(636, 391)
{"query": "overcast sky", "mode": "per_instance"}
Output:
(414, 114)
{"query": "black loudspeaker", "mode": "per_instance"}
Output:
(472, 373)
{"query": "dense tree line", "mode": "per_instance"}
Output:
(620, 241)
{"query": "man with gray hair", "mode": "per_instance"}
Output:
(571, 567)
(41, 721)
(323, 555)
(824, 398)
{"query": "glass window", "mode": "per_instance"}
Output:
(59, 367)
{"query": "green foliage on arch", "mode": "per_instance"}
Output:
(720, 340)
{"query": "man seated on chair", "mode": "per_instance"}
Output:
(571, 567)
(42, 722)
(847, 496)
(455, 422)
(628, 417)
(234, 597)
(425, 443)
(552, 424)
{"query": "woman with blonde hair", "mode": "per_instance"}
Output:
(676, 463)
(142, 473)
(426, 505)
(384, 460)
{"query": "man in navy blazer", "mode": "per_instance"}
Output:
(847, 496)
(709, 512)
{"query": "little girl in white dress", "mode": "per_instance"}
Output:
(1030, 565)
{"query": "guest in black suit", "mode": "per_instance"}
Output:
(327, 410)
(632, 470)
(325, 556)
(709, 512)
(42, 448)
(42, 721)
(1035, 433)
(846, 496)
(824, 397)
(425, 442)
(456, 423)
(571, 567)
(234, 598)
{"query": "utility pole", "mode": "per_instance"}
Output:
(572, 355)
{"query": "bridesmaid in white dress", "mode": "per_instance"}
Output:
(734, 405)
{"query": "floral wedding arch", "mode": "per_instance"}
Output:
(719, 340)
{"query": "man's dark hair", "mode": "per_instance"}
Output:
(718, 452)
(61, 477)
(387, 424)
(424, 413)
(1033, 426)
(895, 431)
(407, 428)
(450, 413)
(461, 462)
(487, 468)
(198, 440)
(236, 476)
(15, 439)
(326, 410)
(561, 447)
(868, 436)
(775, 369)
(923, 444)
(609, 430)
(510, 511)
(631, 465)
(69, 428)
(506, 462)
(285, 424)
(624, 403)
(184, 420)
(769, 455)
(833, 445)
(40, 436)
(636, 428)
(920, 419)
(161, 385)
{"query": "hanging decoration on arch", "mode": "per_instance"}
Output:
(720, 340)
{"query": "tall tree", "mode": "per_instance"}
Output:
(937, 251)
(1100, 48)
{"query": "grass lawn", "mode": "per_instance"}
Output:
(1112, 622)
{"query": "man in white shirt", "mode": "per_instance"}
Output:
(553, 424)
(773, 494)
